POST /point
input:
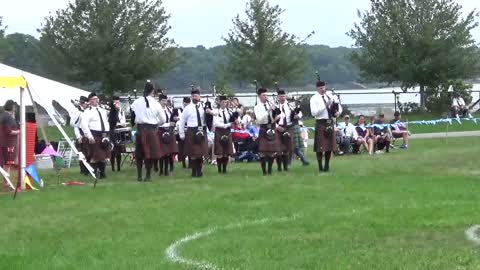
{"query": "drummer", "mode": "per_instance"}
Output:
(116, 120)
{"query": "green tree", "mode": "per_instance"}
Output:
(257, 48)
(4, 48)
(23, 53)
(416, 43)
(112, 42)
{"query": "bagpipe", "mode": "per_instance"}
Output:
(334, 106)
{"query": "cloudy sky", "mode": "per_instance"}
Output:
(203, 22)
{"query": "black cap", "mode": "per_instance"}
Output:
(321, 83)
(115, 98)
(261, 91)
(93, 94)
(162, 96)
(83, 99)
(281, 92)
(195, 92)
(221, 98)
(186, 100)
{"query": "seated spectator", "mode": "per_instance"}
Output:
(365, 137)
(382, 134)
(347, 135)
(399, 130)
(459, 107)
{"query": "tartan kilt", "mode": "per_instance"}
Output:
(97, 153)
(322, 142)
(118, 147)
(266, 146)
(286, 144)
(219, 149)
(181, 149)
(167, 148)
(9, 155)
(192, 149)
(297, 138)
(147, 144)
(84, 147)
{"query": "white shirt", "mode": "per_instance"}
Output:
(246, 120)
(458, 102)
(153, 115)
(91, 120)
(75, 121)
(218, 120)
(168, 114)
(286, 115)
(318, 107)
(261, 114)
(348, 130)
(122, 120)
(189, 117)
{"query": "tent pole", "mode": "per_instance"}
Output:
(23, 138)
(67, 138)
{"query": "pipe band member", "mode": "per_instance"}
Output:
(223, 144)
(322, 106)
(268, 143)
(285, 130)
(148, 116)
(195, 135)
(116, 119)
(168, 142)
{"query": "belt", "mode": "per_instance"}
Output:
(200, 128)
(323, 121)
(266, 126)
(96, 133)
(147, 126)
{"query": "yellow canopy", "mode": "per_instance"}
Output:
(13, 82)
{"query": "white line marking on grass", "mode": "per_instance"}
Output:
(174, 256)
(473, 234)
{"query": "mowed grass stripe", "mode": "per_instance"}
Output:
(405, 210)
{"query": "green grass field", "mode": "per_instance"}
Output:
(405, 210)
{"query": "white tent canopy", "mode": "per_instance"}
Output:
(44, 91)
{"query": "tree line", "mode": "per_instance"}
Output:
(113, 45)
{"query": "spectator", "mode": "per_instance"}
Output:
(399, 130)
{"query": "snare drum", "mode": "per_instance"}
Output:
(123, 135)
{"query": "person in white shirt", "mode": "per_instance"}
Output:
(347, 133)
(148, 116)
(459, 107)
(195, 136)
(81, 142)
(268, 143)
(325, 108)
(95, 127)
(116, 120)
(181, 145)
(285, 131)
(168, 143)
(223, 145)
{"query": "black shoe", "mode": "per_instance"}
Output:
(140, 179)
(200, 174)
(326, 169)
(147, 179)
